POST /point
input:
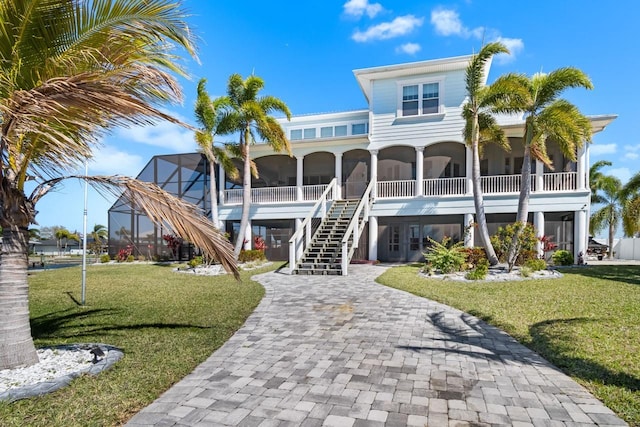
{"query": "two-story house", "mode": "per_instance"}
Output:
(402, 163)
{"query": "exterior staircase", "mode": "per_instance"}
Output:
(324, 254)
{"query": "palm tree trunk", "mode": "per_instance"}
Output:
(246, 195)
(16, 344)
(478, 201)
(523, 202)
(213, 190)
(612, 231)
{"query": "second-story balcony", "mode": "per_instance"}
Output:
(440, 187)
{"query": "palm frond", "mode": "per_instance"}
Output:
(549, 86)
(163, 209)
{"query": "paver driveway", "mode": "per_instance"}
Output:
(345, 351)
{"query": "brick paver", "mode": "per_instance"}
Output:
(345, 351)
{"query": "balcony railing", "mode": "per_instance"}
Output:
(496, 184)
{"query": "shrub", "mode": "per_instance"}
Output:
(251, 255)
(536, 264)
(480, 272)
(130, 258)
(524, 246)
(475, 255)
(525, 271)
(562, 257)
(195, 261)
(445, 257)
(105, 258)
(124, 253)
(142, 258)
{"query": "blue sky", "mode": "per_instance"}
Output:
(306, 51)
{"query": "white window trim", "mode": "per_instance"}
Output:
(318, 128)
(400, 84)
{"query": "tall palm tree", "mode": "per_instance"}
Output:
(208, 116)
(99, 235)
(631, 209)
(596, 180)
(249, 115)
(480, 128)
(547, 117)
(612, 199)
(69, 71)
(62, 235)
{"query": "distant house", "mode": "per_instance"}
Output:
(405, 152)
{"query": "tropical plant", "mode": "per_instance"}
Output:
(611, 198)
(208, 116)
(249, 115)
(69, 71)
(62, 235)
(536, 264)
(99, 236)
(519, 238)
(480, 271)
(631, 209)
(596, 180)
(562, 257)
(481, 128)
(547, 117)
(444, 256)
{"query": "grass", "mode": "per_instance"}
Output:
(587, 323)
(166, 323)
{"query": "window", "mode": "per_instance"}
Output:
(419, 98)
(309, 133)
(296, 134)
(341, 130)
(358, 129)
(326, 132)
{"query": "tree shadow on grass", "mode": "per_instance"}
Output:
(553, 340)
(620, 273)
(71, 323)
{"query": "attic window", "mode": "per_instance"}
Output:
(420, 98)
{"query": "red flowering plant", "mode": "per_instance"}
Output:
(173, 243)
(124, 253)
(259, 244)
(547, 245)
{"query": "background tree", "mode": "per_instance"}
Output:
(547, 117)
(62, 235)
(249, 115)
(611, 197)
(631, 208)
(208, 116)
(596, 180)
(480, 128)
(99, 236)
(70, 70)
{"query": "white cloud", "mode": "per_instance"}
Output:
(164, 134)
(408, 48)
(623, 174)
(600, 149)
(110, 161)
(359, 7)
(515, 46)
(398, 27)
(631, 155)
(447, 22)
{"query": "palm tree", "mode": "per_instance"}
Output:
(596, 180)
(62, 235)
(481, 127)
(71, 70)
(631, 208)
(546, 117)
(208, 115)
(249, 115)
(99, 234)
(611, 196)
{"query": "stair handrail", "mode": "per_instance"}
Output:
(355, 226)
(302, 236)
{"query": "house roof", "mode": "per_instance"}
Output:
(366, 75)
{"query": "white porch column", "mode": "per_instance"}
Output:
(300, 247)
(539, 176)
(419, 170)
(469, 166)
(373, 238)
(221, 184)
(247, 237)
(374, 172)
(469, 236)
(581, 234)
(582, 167)
(538, 224)
(299, 175)
(338, 196)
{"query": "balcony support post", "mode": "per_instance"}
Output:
(374, 173)
(469, 168)
(419, 171)
(538, 224)
(338, 193)
(539, 185)
(373, 238)
(221, 185)
(582, 162)
(299, 176)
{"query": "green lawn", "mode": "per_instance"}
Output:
(166, 323)
(587, 323)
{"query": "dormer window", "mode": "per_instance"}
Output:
(420, 98)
